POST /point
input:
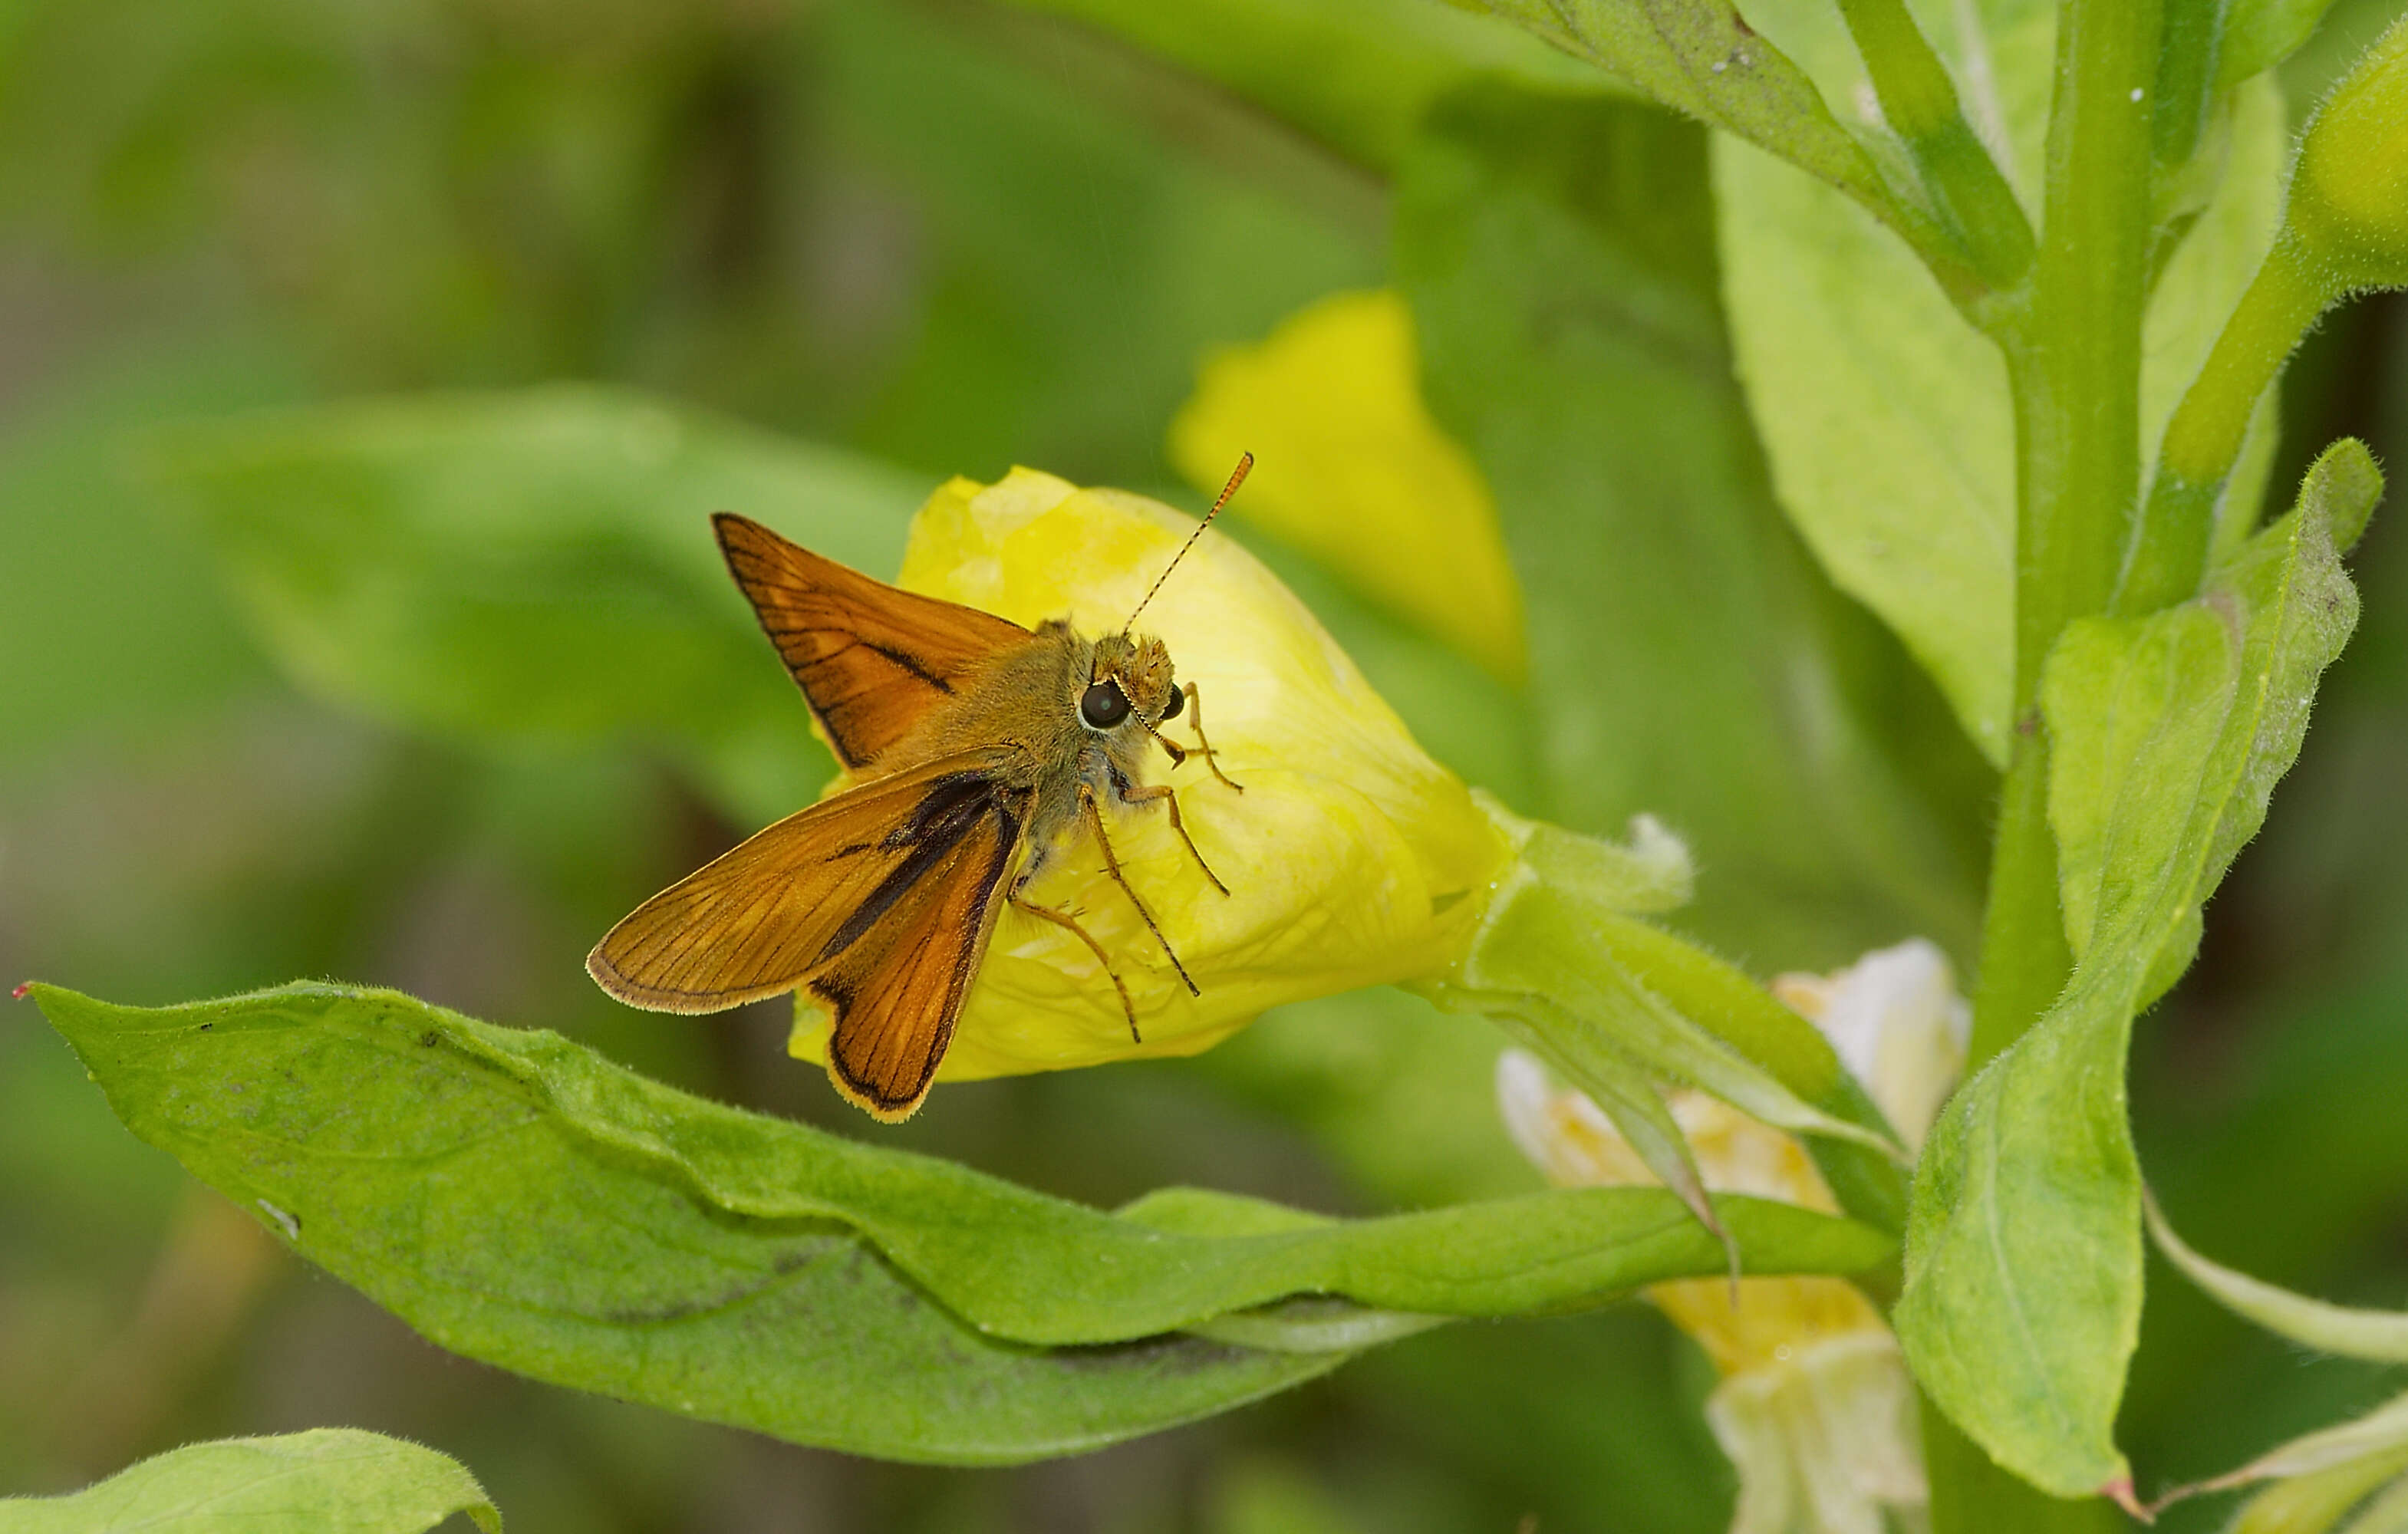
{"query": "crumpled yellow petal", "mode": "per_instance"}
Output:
(1351, 468)
(1351, 858)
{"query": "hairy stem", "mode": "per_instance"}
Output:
(2204, 437)
(2075, 372)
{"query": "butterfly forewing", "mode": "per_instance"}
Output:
(880, 900)
(870, 659)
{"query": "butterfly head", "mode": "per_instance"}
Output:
(1131, 676)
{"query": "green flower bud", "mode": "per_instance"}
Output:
(2349, 195)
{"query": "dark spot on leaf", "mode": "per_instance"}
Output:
(1172, 1353)
(430, 1039)
(781, 1266)
(206, 1026)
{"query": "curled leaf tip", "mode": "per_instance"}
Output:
(19, 994)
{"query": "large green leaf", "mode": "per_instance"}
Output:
(1885, 414)
(2024, 1256)
(534, 567)
(520, 1201)
(1687, 659)
(325, 1481)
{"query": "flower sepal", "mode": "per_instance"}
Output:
(1564, 962)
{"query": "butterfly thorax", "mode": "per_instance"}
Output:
(1067, 710)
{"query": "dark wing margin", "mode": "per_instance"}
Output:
(870, 658)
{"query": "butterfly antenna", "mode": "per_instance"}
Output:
(1237, 477)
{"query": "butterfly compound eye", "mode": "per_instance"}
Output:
(1177, 701)
(1104, 706)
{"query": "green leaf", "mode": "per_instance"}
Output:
(2284, 598)
(1699, 57)
(1884, 413)
(520, 1201)
(534, 567)
(327, 1481)
(1356, 74)
(1687, 659)
(2261, 34)
(2346, 1330)
(2023, 1274)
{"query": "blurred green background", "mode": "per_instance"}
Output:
(947, 235)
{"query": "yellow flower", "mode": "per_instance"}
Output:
(1355, 472)
(1350, 857)
(1814, 1407)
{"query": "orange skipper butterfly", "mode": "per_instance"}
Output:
(979, 749)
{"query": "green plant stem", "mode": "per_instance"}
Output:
(1976, 206)
(2075, 373)
(2073, 363)
(2025, 957)
(2204, 437)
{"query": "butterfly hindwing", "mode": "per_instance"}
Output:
(870, 658)
(894, 995)
(879, 900)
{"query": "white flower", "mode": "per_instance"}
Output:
(1899, 1024)
(1815, 1409)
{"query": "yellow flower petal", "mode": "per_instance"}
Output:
(1351, 468)
(1351, 858)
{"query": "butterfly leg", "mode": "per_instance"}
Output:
(1129, 794)
(1204, 747)
(1095, 818)
(1061, 919)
